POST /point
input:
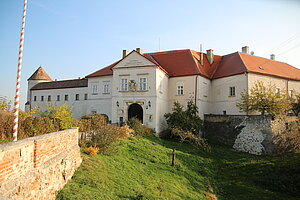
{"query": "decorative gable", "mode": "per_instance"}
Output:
(134, 59)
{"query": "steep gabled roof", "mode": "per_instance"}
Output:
(61, 84)
(270, 67)
(40, 74)
(187, 62)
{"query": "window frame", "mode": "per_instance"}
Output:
(124, 84)
(94, 89)
(106, 88)
(232, 91)
(143, 84)
(58, 97)
(180, 90)
(76, 97)
(66, 97)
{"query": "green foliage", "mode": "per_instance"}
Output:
(264, 99)
(142, 168)
(186, 120)
(62, 115)
(89, 123)
(296, 105)
(5, 104)
(138, 127)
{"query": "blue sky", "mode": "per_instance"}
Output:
(73, 38)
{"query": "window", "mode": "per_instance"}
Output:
(66, 97)
(34, 98)
(77, 97)
(58, 98)
(180, 90)
(94, 89)
(161, 87)
(143, 84)
(85, 96)
(106, 89)
(42, 98)
(49, 97)
(277, 90)
(94, 112)
(124, 84)
(232, 91)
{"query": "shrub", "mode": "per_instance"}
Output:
(92, 150)
(6, 124)
(89, 123)
(61, 115)
(186, 136)
(5, 104)
(139, 128)
(187, 120)
(106, 135)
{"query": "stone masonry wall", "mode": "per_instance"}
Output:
(37, 167)
(252, 134)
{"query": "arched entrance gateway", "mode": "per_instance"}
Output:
(135, 110)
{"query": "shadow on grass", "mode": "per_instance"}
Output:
(235, 175)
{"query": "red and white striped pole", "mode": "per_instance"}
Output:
(17, 97)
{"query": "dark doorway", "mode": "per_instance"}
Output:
(135, 110)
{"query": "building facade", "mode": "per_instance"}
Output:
(145, 85)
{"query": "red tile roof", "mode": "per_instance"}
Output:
(40, 74)
(75, 83)
(187, 62)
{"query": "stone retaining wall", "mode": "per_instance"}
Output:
(37, 167)
(253, 134)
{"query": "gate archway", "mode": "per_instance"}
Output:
(135, 110)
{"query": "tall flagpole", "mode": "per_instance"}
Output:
(17, 97)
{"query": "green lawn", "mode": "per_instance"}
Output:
(140, 168)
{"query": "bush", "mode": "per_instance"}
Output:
(138, 127)
(106, 135)
(186, 136)
(89, 123)
(6, 124)
(61, 115)
(187, 120)
(5, 104)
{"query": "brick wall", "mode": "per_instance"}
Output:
(37, 167)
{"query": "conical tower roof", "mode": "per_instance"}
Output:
(40, 74)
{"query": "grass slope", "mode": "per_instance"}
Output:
(139, 168)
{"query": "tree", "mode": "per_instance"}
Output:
(186, 120)
(62, 115)
(296, 105)
(5, 104)
(264, 99)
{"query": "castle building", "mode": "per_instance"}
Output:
(145, 85)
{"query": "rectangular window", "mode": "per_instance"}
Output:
(180, 90)
(277, 90)
(94, 89)
(106, 89)
(124, 84)
(232, 91)
(42, 98)
(34, 98)
(58, 98)
(94, 112)
(77, 97)
(49, 97)
(143, 84)
(85, 96)
(66, 97)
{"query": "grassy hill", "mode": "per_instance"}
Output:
(140, 168)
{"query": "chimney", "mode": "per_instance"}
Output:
(272, 57)
(139, 50)
(245, 49)
(201, 58)
(125, 53)
(210, 55)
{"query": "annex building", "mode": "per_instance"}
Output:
(145, 85)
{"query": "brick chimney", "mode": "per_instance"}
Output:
(210, 55)
(139, 50)
(272, 57)
(125, 53)
(245, 49)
